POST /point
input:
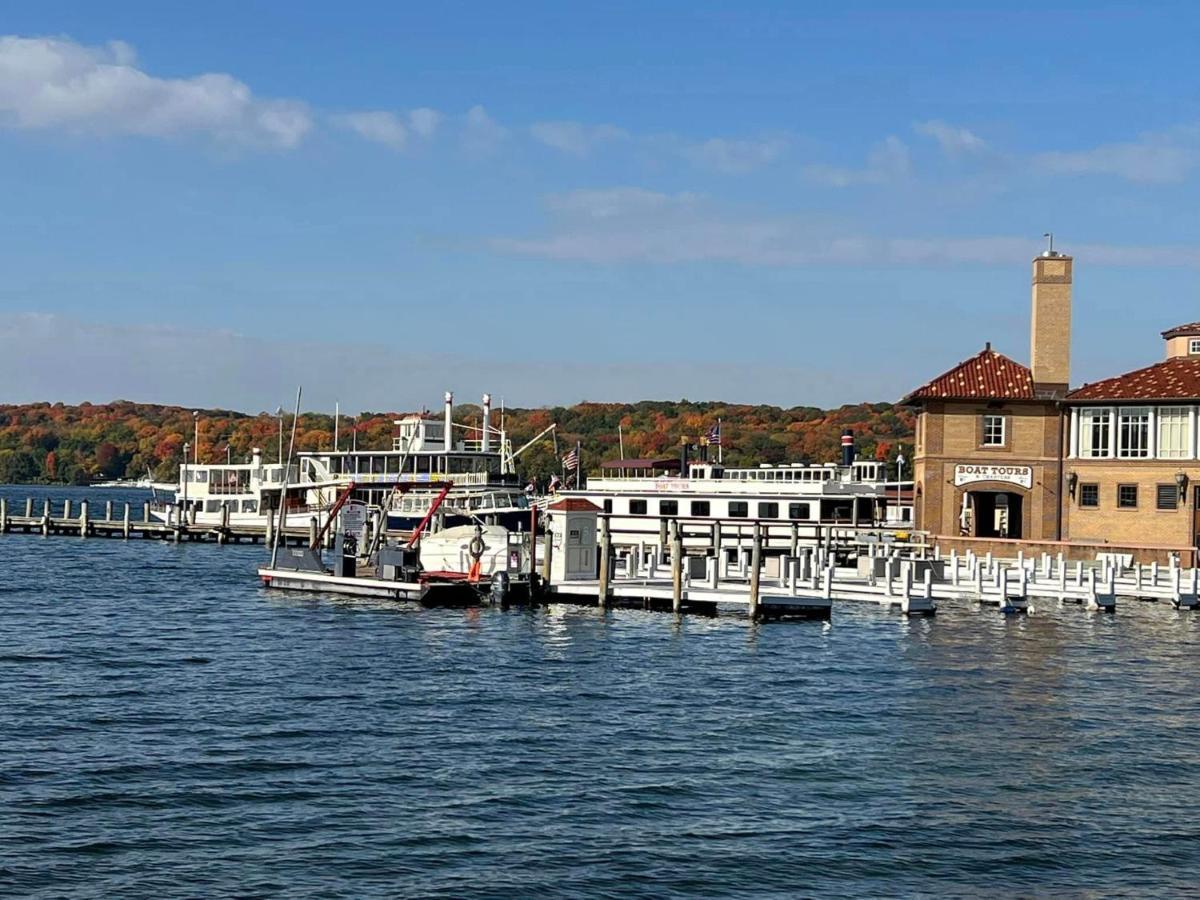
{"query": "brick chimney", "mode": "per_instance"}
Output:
(1050, 328)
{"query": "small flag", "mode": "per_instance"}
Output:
(571, 461)
(714, 435)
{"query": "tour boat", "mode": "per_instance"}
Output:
(477, 475)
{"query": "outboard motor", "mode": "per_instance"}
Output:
(848, 447)
(499, 588)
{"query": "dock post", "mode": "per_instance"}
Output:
(795, 544)
(270, 528)
(676, 567)
(146, 511)
(107, 510)
(223, 534)
(46, 518)
(29, 507)
(755, 564)
(602, 596)
(717, 551)
(125, 523)
(83, 518)
(312, 531)
(66, 509)
(547, 553)
(662, 535)
(3, 516)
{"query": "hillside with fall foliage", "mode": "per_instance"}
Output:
(56, 443)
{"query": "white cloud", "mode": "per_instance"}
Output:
(482, 134)
(56, 83)
(575, 138)
(955, 141)
(1160, 158)
(735, 157)
(424, 121)
(634, 225)
(888, 162)
(381, 127)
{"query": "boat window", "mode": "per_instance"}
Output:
(668, 507)
(699, 508)
(608, 505)
(739, 509)
(212, 506)
(637, 507)
(249, 506)
(768, 510)
(798, 510)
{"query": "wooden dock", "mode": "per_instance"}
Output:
(78, 521)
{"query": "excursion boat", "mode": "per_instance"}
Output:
(477, 477)
(641, 495)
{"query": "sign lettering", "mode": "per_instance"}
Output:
(965, 473)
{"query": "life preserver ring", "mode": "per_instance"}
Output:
(476, 547)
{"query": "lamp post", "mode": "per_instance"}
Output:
(228, 454)
(196, 437)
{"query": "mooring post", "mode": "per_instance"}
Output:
(146, 511)
(125, 523)
(794, 545)
(602, 596)
(83, 518)
(755, 564)
(66, 510)
(29, 507)
(676, 567)
(108, 508)
(223, 533)
(547, 552)
(312, 531)
(3, 516)
(270, 528)
(662, 534)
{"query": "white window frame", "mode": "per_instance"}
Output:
(1088, 416)
(1193, 346)
(1179, 419)
(1128, 417)
(1003, 442)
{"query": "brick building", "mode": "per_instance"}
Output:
(1132, 471)
(988, 461)
(1009, 451)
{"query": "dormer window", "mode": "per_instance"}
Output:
(1193, 346)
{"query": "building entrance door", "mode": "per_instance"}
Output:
(997, 514)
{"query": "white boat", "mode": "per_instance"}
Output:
(641, 495)
(478, 477)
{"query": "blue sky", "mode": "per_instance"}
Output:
(757, 202)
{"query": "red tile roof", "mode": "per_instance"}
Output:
(1180, 330)
(1173, 379)
(987, 376)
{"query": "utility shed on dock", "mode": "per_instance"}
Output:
(573, 537)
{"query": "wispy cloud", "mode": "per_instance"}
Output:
(575, 138)
(1154, 158)
(389, 128)
(56, 83)
(889, 161)
(735, 156)
(956, 142)
(627, 224)
(482, 135)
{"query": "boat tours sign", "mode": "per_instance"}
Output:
(969, 473)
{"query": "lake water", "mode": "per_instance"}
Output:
(168, 727)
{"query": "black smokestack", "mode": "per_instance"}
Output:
(848, 447)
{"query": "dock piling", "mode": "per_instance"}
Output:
(125, 523)
(602, 596)
(755, 565)
(676, 567)
(83, 518)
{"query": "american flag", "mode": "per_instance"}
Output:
(571, 461)
(714, 435)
